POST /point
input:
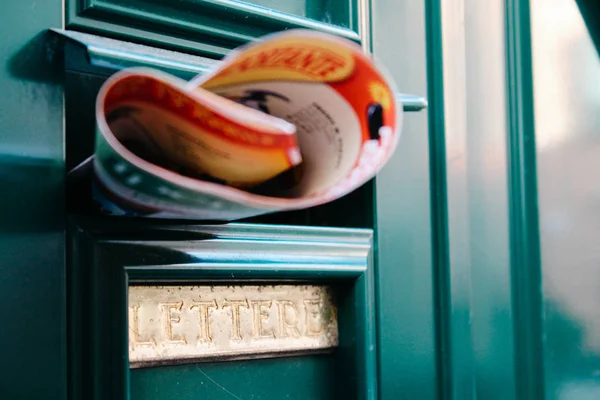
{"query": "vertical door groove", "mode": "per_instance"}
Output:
(438, 193)
(524, 227)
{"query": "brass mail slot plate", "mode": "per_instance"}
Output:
(182, 324)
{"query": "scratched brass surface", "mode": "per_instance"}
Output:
(178, 324)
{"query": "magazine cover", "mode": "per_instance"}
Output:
(295, 120)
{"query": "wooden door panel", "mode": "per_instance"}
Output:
(406, 330)
(297, 378)
(107, 257)
(32, 254)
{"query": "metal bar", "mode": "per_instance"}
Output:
(106, 55)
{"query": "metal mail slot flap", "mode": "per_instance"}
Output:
(104, 55)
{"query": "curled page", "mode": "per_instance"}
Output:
(293, 121)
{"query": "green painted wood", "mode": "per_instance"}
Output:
(444, 234)
(207, 27)
(523, 216)
(405, 321)
(32, 264)
(479, 323)
(476, 270)
(496, 338)
(260, 379)
(478, 201)
(439, 212)
(106, 257)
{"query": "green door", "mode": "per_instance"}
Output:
(467, 268)
(71, 269)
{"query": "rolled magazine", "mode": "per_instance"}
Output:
(295, 120)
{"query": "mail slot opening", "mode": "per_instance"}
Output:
(352, 210)
(336, 162)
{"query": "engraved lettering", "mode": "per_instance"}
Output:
(287, 324)
(235, 316)
(188, 323)
(203, 310)
(314, 324)
(134, 328)
(172, 315)
(260, 313)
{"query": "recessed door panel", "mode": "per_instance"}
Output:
(295, 378)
